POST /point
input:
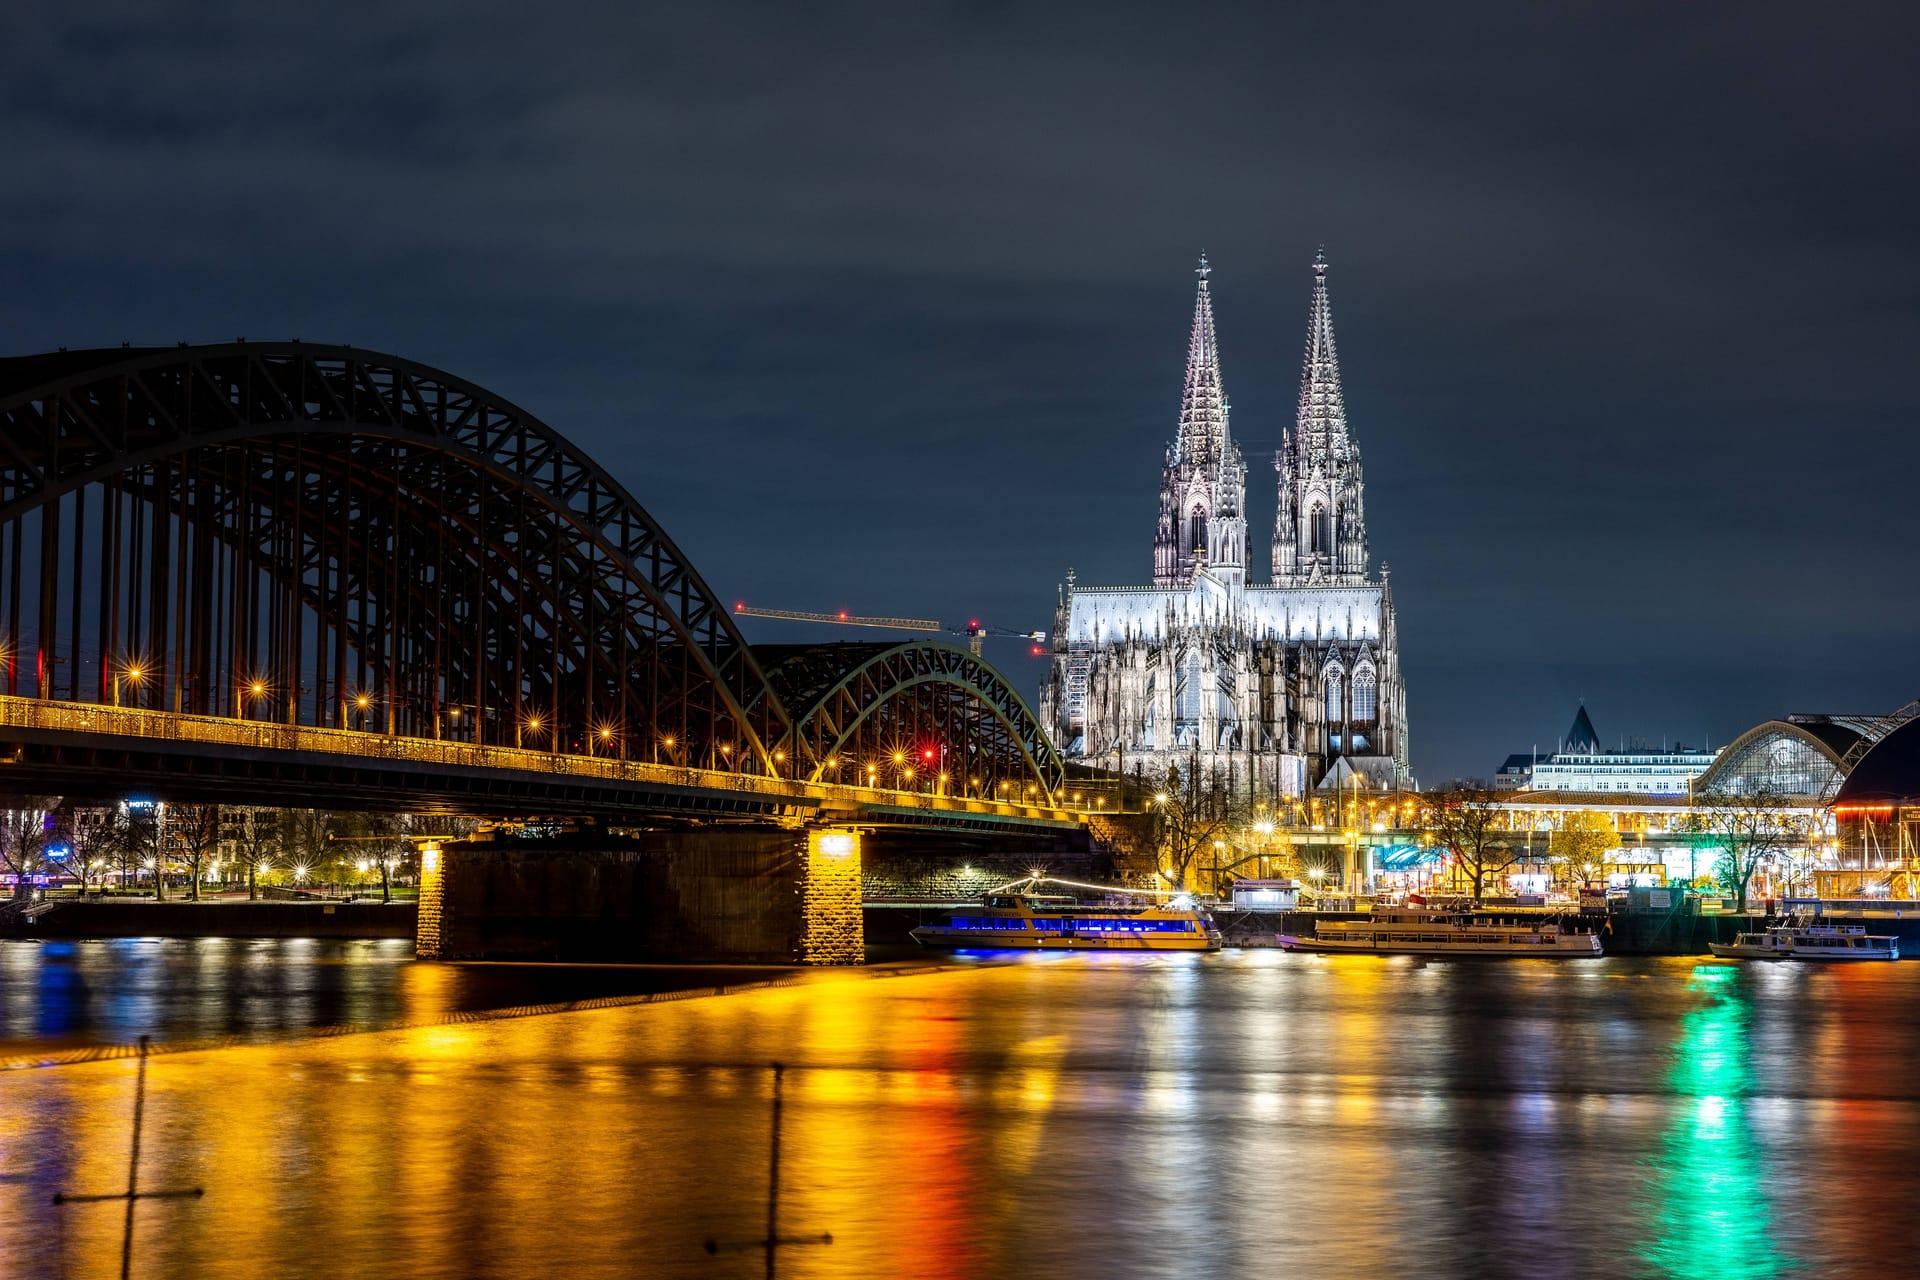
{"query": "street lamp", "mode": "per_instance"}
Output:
(134, 673)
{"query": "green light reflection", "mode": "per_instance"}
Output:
(1707, 1184)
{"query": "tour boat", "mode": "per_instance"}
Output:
(1810, 942)
(1033, 922)
(1418, 932)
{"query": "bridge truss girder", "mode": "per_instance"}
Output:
(903, 715)
(333, 524)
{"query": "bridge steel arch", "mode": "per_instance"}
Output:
(319, 535)
(900, 715)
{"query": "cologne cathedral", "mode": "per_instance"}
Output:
(1270, 688)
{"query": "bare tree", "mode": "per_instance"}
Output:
(146, 845)
(1759, 823)
(259, 834)
(1465, 821)
(23, 840)
(96, 835)
(193, 834)
(304, 840)
(1190, 817)
(384, 839)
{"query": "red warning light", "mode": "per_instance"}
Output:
(843, 615)
(738, 605)
(1036, 651)
(927, 754)
(975, 624)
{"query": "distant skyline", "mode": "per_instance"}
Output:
(885, 309)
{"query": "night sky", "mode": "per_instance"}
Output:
(886, 308)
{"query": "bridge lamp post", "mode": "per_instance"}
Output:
(255, 690)
(726, 755)
(603, 735)
(530, 725)
(133, 673)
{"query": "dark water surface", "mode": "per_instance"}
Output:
(61, 995)
(1245, 1114)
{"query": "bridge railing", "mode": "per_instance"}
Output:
(53, 716)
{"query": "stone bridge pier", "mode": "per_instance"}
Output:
(740, 895)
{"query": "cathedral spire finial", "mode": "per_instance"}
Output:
(1323, 410)
(1202, 490)
(1203, 421)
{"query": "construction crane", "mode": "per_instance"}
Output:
(973, 630)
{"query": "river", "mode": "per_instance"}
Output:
(1250, 1114)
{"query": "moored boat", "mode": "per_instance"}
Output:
(1037, 922)
(1464, 932)
(1809, 942)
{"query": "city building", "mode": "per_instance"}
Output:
(1580, 764)
(1262, 687)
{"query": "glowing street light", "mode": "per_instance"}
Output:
(133, 673)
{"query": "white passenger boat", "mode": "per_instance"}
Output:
(1810, 942)
(1036, 922)
(1420, 932)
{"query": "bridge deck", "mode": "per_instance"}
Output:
(64, 741)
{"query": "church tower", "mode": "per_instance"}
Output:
(1203, 484)
(1320, 533)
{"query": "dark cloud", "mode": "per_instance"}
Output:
(884, 307)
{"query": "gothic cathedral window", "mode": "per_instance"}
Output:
(1319, 537)
(1366, 701)
(1333, 695)
(1197, 530)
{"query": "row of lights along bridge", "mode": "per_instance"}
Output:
(895, 773)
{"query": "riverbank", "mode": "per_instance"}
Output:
(138, 918)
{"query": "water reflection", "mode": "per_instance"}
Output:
(1709, 1192)
(1102, 1116)
(61, 996)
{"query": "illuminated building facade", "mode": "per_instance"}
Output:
(1264, 687)
(1579, 764)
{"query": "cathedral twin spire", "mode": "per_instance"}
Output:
(1203, 404)
(1203, 486)
(1319, 533)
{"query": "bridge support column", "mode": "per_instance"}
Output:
(734, 894)
(433, 897)
(831, 928)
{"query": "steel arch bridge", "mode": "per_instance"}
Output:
(321, 537)
(914, 716)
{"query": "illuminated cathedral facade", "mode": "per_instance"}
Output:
(1269, 689)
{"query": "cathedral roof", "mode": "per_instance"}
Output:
(1323, 408)
(1203, 402)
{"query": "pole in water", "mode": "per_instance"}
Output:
(772, 1241)
(133, 1193)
